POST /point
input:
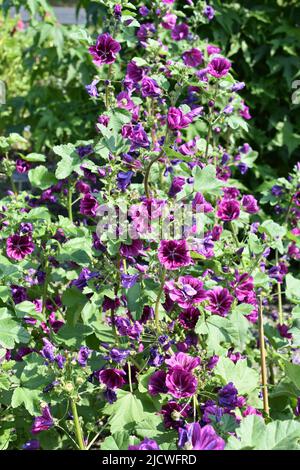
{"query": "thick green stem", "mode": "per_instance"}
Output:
(156, 309)
(262, 348)
(78, 430)
(70, 213)
(129, 376)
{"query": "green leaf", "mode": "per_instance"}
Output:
(243, 377)
(73, 336)
(126, 411)
(292, 291)
(11, 332)
(293, 373)
(205, 180)
(40, 177)
(254, 434)
(118, 441)
(34, 157)
(31, 399)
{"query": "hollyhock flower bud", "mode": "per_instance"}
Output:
(219, 67)
(129, 280)
(83, 278)
(181, 383)
(157, 383)
(82, 187)
(180, 32)
(143, 10)
(139, 137)
(192, 57)
(112, 378)
(43, 422)
(220, 301)
(284, 331)
(174, 254)
(213, 361)
(177, 120)
(228, 209)
(193, 437)
(118, 11)
(169, 21)
(19, 246)
(105, 50)
(88, 205)
(146, 444)
(250, 204)
(132, 250)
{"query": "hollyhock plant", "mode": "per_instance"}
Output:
(149, 268)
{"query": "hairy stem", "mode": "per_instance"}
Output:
(263, 358)
(78, 430)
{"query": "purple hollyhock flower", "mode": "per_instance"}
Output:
(129, 280)
(82, 187)
(33, 444)
(84, 150)
(193, 437)
(60, 361)
(124, 101)
(237, 86)
(157, 383)
(118, 11)
(131, 251)
(187, 291)
(105, 50)
(193, 57)
(220, 301)
(156, 359)
(149, 87)
(176, 186)
(209, 12)
(228, 209)
(174, 414)
(18, 293)
(112, 378)
(22, 166)
(228, 396)
(189, 317)
(180, 32)
(83, 355)
(181, 383)
(200, 204)
(19, 246)
(212, 362)
(145, 31)
(83, 278)
(124, 179)
(284, 331)
(143, 10)
(243, 168)
(146, 444)
(139, 137)
(110, 396)
(148, 314)
(169, 21)
(251, 411)
(119, 355)
(228, 109)
(177, 120)
(88, 205)
(174, 254)
(245, 113)
(277, 190)
(125, 328)
(92, 89)
(218, 67)
(134, 72)
(250, 204)
(211, 49)
(183, 361)
(48, 350)
(43, 422)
